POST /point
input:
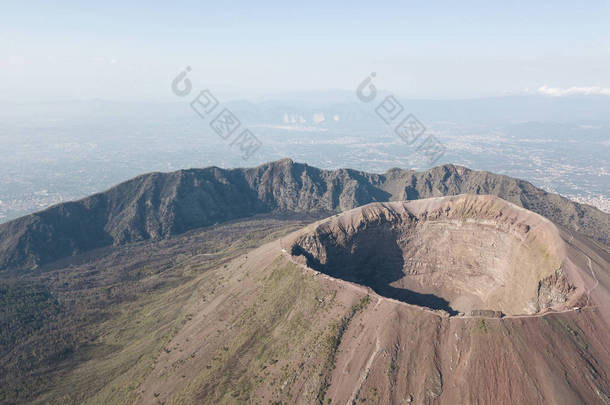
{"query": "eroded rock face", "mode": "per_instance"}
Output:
(459, 254)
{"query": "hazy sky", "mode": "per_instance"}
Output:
(118, 50)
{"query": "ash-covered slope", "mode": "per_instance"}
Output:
(158, 205)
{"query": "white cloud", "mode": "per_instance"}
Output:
(573, 91)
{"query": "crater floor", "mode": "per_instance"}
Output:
(460, 254)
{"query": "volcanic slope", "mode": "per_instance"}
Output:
(289, 324)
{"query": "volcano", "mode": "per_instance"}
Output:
(290, 284)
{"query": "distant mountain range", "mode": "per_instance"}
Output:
(158, 205)
(272, 108)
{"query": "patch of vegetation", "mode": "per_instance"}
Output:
(563, 325)
(266, 341)
(333, 340)
(89, 329)
(482, 326)
(392, 367)
(26, 307)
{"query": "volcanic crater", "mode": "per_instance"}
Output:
(466, 254)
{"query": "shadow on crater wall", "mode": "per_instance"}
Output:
(373, 259)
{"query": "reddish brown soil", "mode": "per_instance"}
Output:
(394, 352)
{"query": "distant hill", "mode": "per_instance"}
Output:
(158, 205)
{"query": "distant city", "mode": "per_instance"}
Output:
(66, 151)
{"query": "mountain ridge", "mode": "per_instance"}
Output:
(158, 205)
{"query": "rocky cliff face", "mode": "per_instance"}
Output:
(158, 205)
